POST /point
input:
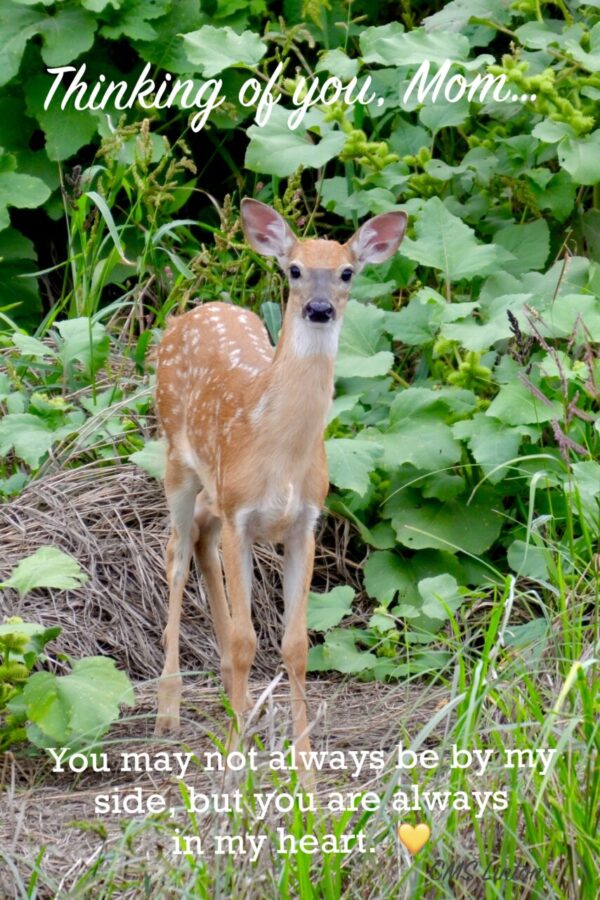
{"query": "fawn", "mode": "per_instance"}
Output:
(246, 458)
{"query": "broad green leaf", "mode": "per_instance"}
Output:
(390, 45)
(29, 436)
(528, 560)
(275, 149)
(325, 611)
(359, 353)
(66, 36)
(341, 404)
(444, 242)
(17, 26)
(30, 346)
(84, 342)
(340, 652)
(581, 157)
(48, 567)
(557, 195)
(416, 433)
(350, 461)
(584, 483)
(453, 525)
(515, 404)
(132, 21)
(338, 63)
(381, 536)
(456, 15)
(552, 132)
(167, 51)
(66, 130)
(387, 575)
(214, 49)
(22, 191)
(78, 707)
(438, 115)
(440, 596)
(492, 442)
(151, 458)
(529, 244)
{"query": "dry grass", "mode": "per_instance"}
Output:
(113, 521)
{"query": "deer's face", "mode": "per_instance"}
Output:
(320, 277)
(319, 272)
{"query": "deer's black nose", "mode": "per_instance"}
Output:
(318, 311)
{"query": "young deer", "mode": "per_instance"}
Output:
(246, 459)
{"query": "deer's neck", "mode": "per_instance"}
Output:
(298, 386)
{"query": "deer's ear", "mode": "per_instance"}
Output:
(378, 238)
(266, 231)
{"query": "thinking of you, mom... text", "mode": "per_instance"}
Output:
(263, 96)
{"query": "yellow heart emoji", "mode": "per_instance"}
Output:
(414, 838)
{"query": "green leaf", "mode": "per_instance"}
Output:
(416, 432)
(30, 437)
(167, 51)
(529, 244)
(339, 652)
(452, 525)
(275, 149)
(381, 536)
(338, 63)
(385, 575)
(17, 26)
(79, 707)
(581, 157)
(515, 404)
(66, 130)
(271, 315)
(438, 115)
(48, 567)
(390, 45)
(528, 561)
(133, 19)
(83, 341)
(151, 458)
(214, 49)
(66, 36)
(327, 610)
(492, 442)
(22, 191)
(350, 461)
(30, 346)
(359, 353)
(584, 482)
(444, 242)
(440, 596)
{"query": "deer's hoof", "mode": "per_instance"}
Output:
(166, 723)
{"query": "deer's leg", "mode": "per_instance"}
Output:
(239, 655)
(181, 487)
(207, 558)
(297, 573)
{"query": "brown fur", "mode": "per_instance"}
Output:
(245, 454)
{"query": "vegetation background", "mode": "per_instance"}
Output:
(460, 551)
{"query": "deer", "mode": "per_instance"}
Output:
(246, 461)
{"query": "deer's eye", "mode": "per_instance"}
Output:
(295, 272)
(346, 275)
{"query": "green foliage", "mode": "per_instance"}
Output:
(72, 710)
(47, 567)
